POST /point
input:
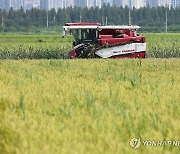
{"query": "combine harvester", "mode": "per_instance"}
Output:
(95, 41)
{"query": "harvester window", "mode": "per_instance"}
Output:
(91, 35)
(77, 34)
(84, 34)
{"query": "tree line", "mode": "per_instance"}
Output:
(151, 19)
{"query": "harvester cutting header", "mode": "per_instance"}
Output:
(95, 41)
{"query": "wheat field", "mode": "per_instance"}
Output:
(88, 106)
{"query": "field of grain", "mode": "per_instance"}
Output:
(163, 45)
(88, 106)
(16, 46)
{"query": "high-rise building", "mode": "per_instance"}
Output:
(98, 3)
(48, 4)
(155, 3)
(90, 3)
(69, 3)
(80, 3)
(93, 3)
(152, 3)
(175, 3)
(165, 3)
(44, 4)
(110, 2)
(118, 2)
(29, 4)
(130, 3)
(139, 3)
(2, 4)
(15, 4)
(36, 4)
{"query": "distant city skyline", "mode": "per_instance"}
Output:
(56, 4)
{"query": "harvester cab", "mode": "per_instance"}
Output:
(91, 40)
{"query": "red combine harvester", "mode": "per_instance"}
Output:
(95, 41)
